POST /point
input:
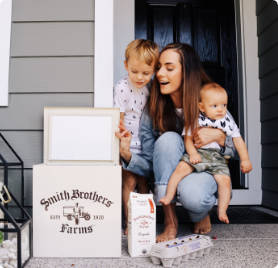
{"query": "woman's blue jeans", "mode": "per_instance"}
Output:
(196, 192)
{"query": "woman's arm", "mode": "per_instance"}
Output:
(206, 135)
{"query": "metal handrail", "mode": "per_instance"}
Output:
(11, 148)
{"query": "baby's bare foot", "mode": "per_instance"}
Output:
(203, 226)
(165, 201)
(222, 216)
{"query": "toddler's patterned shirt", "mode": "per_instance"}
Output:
(131, 102)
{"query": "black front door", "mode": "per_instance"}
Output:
(209, 26)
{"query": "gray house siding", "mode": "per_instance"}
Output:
(51, 64)
(267, 14)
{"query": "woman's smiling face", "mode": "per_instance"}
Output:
(169, 73)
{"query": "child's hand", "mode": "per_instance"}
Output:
(195, 158)
(122, 125)
(245, 166)
(125, 138)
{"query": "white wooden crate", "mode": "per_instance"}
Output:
(76, 211)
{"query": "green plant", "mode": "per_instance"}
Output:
(1, 237)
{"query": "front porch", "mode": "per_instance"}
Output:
(236, 245)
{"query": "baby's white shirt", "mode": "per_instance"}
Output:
(226, 124)
(131, 102)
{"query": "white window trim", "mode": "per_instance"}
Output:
(251, 95)
(5, 30)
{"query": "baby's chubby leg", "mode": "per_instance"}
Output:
(182, 170)
(224, 196)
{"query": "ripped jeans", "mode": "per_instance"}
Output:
(196, 192)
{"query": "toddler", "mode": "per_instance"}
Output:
(130, 95)
(213, 113)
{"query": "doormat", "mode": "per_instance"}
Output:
(236, 214)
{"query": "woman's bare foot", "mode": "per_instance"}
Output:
(165, 200)
(170, 224)
(203, 226)
(169, 233)
(222, 216)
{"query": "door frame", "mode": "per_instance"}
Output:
(113, 32)
(107, 20)
(248, 68)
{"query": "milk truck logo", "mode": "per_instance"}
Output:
(74, 217)
(75, 213)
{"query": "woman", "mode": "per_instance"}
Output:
(178, 74)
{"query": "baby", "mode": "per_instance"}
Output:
(130, 95)
(213, 113)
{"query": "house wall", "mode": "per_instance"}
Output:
(124, 33)
(51, 64)
(267, 15)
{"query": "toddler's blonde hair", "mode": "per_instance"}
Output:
(145, 50)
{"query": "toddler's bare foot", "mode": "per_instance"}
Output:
(165, 201)
(203, 226)
(169, 233)
(126, 227)
(222, 216)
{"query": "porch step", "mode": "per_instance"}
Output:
(236, 214)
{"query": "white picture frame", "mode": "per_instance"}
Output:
(81, 136)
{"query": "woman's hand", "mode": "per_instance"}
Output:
(206, 135)
(125, 138)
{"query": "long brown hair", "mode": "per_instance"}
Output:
(161, 107)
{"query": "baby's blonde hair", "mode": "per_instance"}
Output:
(145, 50)
(212, 86)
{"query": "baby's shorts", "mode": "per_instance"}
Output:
(212, 162)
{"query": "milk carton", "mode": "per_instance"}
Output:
(141, 224)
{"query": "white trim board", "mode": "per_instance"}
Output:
(251, 94)
(104, 53)
(113, 32)
(5, 37)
